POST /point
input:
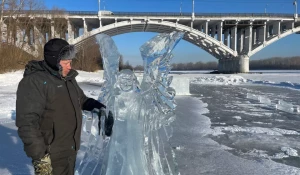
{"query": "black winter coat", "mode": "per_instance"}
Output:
(48, 110)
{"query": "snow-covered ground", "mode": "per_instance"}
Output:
(204, 141)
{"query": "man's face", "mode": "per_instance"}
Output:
(66, 67)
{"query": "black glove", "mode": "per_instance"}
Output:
(43, 166)
(91, 104)
(108, 123)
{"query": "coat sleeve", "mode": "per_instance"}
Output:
(30, 105)
(88, 104)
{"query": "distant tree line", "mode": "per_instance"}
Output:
(195, 66)
(186, 66)
(276, 63)
(273, 63)
(126, 65)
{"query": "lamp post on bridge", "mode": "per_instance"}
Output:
(296, 9)
(193, 14)
(99, 12)
(180, 7)
(104, 5)
(266, 8)
(99, 5)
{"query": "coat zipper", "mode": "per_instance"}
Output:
(75, 146)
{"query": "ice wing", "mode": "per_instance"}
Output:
(157, 54)
(110, 56)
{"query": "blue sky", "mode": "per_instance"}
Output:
(129, 44)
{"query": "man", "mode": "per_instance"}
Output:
(48, 109)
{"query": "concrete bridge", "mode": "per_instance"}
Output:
(230, 38)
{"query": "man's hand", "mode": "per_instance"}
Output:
(43, 166)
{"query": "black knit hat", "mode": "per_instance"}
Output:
(57, 49)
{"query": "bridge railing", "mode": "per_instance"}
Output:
(244, 14)
(200, 14)
(82, 12)
(148, 14)
(40, 12)
(109, 13)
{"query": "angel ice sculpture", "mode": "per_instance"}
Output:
(139, 143)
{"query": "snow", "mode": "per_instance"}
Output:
(286, 152)
(90, 77)
(289, 151)
(206, 151)
(264, 78)
(220, 80)
(237, 117)
(256, 130)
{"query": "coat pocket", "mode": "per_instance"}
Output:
(47, 129)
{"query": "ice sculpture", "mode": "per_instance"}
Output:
(265, 100)
(281, 105)
(261, 99)
(286, 107)
(252, 96)
(139, 143)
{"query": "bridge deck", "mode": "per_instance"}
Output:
(174, 14)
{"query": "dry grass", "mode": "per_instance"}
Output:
(12, 58)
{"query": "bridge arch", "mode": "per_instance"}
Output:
(274, 39)
(214, 47)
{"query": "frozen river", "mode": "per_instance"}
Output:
(234, 134)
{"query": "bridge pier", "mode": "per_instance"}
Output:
(70, 31)
(238, 64)
(226, 34)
